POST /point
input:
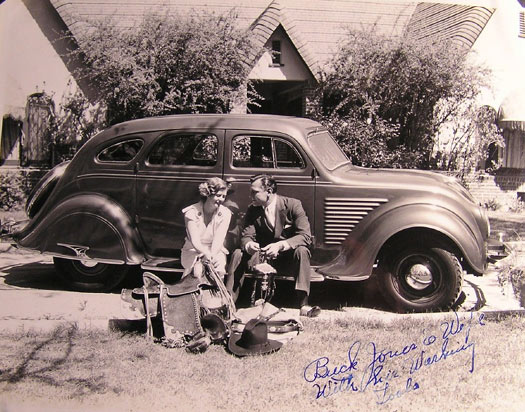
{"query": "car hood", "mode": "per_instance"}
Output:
(409, 179)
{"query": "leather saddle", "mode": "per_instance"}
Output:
(177, 305)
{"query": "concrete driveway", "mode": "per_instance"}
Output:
(33, 297)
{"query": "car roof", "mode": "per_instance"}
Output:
(262, 122)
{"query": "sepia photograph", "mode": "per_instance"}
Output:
(265, 205)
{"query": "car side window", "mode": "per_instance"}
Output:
(286, 155)
(185, 150)
(265, 152)
(121, 151)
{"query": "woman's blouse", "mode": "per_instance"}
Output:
(213, 234)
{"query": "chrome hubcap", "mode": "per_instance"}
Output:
(418, 276)
(89, 263)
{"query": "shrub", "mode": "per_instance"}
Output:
(491, 204)
(166, 64)
(512, 271)
(516, 206)
(74, 122)
(385, 99)
(14, 188)
(464, 143)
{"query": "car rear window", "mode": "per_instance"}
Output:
(185, 150)
(121, 152)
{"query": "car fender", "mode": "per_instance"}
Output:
(86, 226)
(361, 248)
(44, 188)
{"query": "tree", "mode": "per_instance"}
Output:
(385, 99)
(166, 65)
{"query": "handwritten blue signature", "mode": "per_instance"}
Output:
(331, 379)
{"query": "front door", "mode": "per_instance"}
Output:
(279, 97)
(248, 154)
(167, 181)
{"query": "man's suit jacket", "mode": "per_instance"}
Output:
(291, 224)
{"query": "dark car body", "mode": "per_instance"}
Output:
(119, 202)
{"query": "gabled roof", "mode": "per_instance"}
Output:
(274, 16)
(463, 24)
(315, 27)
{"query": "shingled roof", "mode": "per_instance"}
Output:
(315, 27)
(463, 24)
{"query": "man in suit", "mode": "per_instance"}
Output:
(278, 227)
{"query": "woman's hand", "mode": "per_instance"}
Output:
(215, 262)
(206, 257)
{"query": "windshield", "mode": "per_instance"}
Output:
(328, 151)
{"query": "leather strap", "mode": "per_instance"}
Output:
(149, 280)
(274, 326)
(282, 326)
(152, 286)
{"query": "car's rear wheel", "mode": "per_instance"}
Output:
(90, 276)
(420, 279)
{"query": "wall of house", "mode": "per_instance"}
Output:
(29, 61)
(502, 49)
(514, 153)
(292, 65)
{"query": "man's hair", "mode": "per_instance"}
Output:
(267, 181)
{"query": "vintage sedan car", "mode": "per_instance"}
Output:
(117, 205)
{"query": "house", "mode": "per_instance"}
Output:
(304, 32)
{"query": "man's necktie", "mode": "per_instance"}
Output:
(270, 218)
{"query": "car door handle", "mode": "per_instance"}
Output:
(230, 181)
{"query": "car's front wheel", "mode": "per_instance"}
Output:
(420, 279)
(90, 276)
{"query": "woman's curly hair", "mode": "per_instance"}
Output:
(211, 186)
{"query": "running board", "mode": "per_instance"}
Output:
(314, 276)
(173, 265)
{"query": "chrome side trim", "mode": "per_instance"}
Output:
(161, 269)
(80, 251)
(106, 261)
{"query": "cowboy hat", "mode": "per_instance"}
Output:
(253, 340)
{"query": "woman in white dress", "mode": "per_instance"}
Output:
(207, 224)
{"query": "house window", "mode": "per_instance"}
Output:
(522, 24)
(276, 53)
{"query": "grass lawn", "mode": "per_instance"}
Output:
(344, 364)
(419, 364)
